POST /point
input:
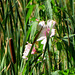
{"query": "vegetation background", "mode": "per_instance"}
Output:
(18, 21)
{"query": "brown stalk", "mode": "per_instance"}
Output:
(12, 50)
(36, 36)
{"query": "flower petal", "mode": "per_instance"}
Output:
(27, 49)
(52, 32)
(51, 22)
(41, 38)
(44, 42)
(33, 50)
(40, 25)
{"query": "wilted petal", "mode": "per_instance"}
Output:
(43, 33)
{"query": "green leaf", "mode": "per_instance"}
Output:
(59, 46)
(55, 72)
(33, 29)
(28, 33)
(69, 48)
(29, 12)
(71, 35)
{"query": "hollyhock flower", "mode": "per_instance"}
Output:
(45, 32)
(27, 49)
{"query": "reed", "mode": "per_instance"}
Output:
(19, 20)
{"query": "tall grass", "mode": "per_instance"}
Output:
(18, 22)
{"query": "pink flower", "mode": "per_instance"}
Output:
(45, 32)
(27, 49)
(33, 50)
(37, 19)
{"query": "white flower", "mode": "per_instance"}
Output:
(41, 24)
(45, 31)
(51, 22)
(27, 49)
(52, 32)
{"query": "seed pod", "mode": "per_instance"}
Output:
(12, 50)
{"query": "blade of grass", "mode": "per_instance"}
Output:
(29, 12)
(49, 9)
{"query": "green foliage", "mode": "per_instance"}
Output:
(33, 29)
(59, 46)
(70, 71)
(18, 20)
